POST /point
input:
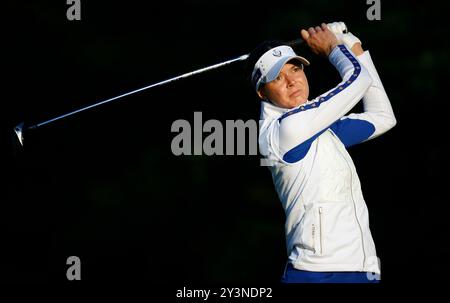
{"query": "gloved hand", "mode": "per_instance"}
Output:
(337, 27)
(342, 34)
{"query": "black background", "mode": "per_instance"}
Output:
(104, 185)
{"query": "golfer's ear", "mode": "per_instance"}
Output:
(261, 94)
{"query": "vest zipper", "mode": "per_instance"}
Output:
(354, 209)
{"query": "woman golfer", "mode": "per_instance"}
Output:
(327, 224)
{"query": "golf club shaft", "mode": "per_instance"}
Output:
(241, 58)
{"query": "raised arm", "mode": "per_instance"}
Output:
(292, 133)
(377, 116)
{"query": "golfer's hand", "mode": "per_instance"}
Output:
(320, 39)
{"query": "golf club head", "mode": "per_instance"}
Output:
(19, 130)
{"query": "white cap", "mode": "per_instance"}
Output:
(271, 62)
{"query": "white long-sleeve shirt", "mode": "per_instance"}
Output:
(327, 224)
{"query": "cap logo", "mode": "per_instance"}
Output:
(276, 53)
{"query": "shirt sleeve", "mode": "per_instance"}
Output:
(291, 135)
(378, 116)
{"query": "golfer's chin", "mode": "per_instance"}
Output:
(295, 102)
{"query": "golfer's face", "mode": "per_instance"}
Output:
(289, 89)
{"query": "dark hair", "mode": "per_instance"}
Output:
(255, 54)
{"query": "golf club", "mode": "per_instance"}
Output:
(21, 128)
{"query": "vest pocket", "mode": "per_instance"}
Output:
(326, 227)
(337, 231)
(317, 231)
(310, 230)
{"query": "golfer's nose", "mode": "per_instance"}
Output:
(290, 80)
